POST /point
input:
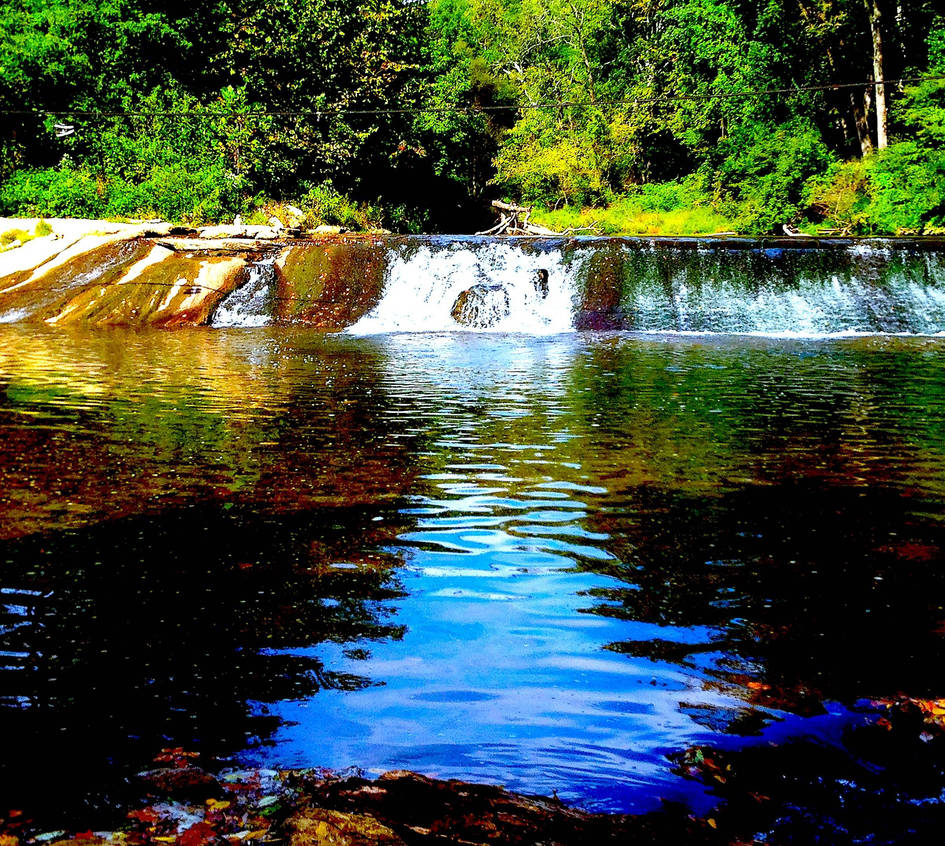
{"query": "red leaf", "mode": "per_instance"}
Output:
(199, 834)
(147, 815)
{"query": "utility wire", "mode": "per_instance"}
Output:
(332, 112)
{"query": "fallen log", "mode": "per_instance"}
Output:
(218, 245)
(511, 207)
(535, 229)
(514, 220)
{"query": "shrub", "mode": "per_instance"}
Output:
(52, 192)
(764, 172)
(324, 204)
(841, 196)
(908, 188)
(899, 189)
(12, 235)
(670, 208)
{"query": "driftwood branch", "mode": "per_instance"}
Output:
(510, 207)
(515, 220)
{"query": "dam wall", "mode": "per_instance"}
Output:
(384, 283)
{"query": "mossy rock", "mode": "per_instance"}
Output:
(331, 285)
(481, 306)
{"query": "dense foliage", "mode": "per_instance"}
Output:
(632, 115)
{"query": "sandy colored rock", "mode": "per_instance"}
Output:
(263, 233)
(224, 231)
(66, 233)
(321, 827)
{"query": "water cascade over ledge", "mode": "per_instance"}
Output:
(379, 284)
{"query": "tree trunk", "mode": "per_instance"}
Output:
(859, 108)
(872, 11)
(859, 104)
(578, 28)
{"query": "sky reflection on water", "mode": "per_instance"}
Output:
(543, 562)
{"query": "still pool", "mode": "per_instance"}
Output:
(552, 563)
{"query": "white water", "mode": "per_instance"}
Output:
(874, 290)
(251, 303)
(420, 289)
(813, 308)
(803, 293)
(14, 315)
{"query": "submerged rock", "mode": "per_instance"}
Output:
(481, 306)
(181, 782)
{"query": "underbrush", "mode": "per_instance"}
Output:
(669, 208)
(15, 237)
(174, 194)
(170, 193)
(900, 190)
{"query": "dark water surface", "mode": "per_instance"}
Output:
(541, 562)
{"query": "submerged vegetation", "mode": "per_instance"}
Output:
(642, 116)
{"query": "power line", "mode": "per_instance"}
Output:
(416, 110)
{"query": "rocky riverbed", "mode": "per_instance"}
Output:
(883, 784)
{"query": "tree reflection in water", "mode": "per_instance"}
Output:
(813, 593)
(158, 631)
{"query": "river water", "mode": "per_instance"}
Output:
(547, 562)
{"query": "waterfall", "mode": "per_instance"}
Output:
(252, 303)
(424, 285)
(709, 286)
(840, 289)
(370, 284)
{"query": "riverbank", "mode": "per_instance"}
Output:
(183, 803)
(27, 243)
(883, 784)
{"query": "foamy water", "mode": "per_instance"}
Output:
(422, 287)
(250, 304)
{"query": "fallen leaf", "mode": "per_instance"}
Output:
(199, 834)
(174, 755)
(242, 836)
(218, 804)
